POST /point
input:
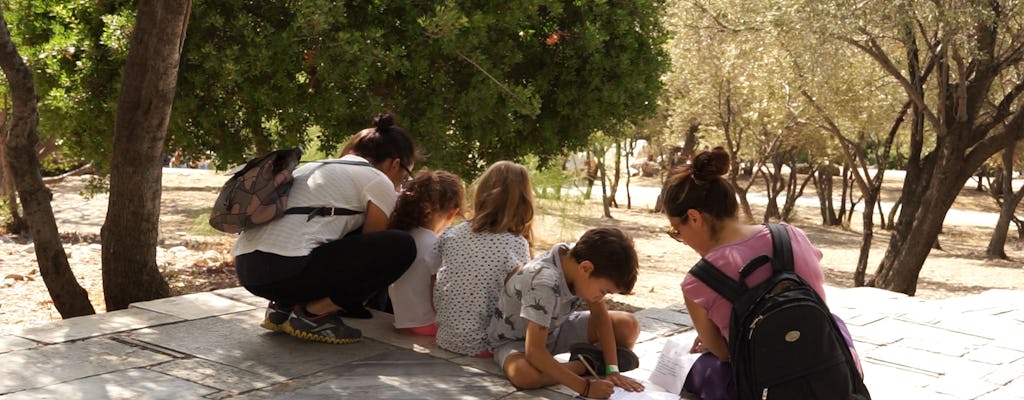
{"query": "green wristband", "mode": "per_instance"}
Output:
(611, 369)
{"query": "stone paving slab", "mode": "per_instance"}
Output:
(930, 338)
(124, 384)
(381, 328)
(1008, 374)
(995, 355)
(672, 314)
(48, 365)
(228, 379)
(934, 363)
(95, 325)
(875, 333)
(239, 294)
(12, 343)
(236, 340)
(194, 306)
(961, 388)
(213, 348)
(392, 375)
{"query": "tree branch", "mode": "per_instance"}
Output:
(1012, 132)
(721, 24)
(878, 54)
(1003, 109)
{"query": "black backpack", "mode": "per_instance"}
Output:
(783, 342)
(257, 193)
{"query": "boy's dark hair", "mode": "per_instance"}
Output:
(612, 253)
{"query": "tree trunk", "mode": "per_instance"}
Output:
(132, 226)
(823, 186)
(602, 168)
(690, 139)
(70, 299)
(614, 190)
(741, 191)
(15, 224)
(591, 175)
(867, 236)
(631, 145)
(794, 192)
(997, 245)
(774, 184)
(891, 221)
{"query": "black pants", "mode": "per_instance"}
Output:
(348, 270)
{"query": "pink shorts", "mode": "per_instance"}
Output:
(427, 330)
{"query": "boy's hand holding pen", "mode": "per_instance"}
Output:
(597, 388)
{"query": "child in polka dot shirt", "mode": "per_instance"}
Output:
(478, 254)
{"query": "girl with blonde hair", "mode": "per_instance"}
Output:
(478, 254)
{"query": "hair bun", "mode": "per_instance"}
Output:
(383, 121)
(708, 165)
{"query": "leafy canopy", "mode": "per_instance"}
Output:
(473, 81)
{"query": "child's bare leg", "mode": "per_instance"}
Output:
(624, 325)
(523, 375)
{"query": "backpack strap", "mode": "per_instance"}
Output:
(782, 250)
(716, 280)
(346, 162)
(313, 212)
(752, 266)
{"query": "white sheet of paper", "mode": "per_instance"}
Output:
(622, 394)
(674, 363)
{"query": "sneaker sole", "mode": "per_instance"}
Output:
(287, 328)
(270, 326)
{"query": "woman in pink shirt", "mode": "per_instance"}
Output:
(702, 209)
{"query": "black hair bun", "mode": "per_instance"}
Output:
(383, 121)
(708, 165)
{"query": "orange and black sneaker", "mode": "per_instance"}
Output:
(326, 328)
(277, 314)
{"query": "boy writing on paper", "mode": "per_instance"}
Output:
(536, 318)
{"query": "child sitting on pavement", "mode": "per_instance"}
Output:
(426, 206)
(536, 317)
(478, 254)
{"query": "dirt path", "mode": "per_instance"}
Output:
(195, 258)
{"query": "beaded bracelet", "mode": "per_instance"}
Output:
(586, 389)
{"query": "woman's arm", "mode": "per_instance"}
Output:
(707, 331)
(376, 219)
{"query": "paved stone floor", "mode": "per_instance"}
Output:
(209, 346)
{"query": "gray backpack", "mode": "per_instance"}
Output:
(258, 193)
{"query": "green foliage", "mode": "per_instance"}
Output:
(76, 51)
(474, 82)
(548, 181)
(94, 185)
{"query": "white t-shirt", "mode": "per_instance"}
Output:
(321, 185)
(473, 270)
(410, 294)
